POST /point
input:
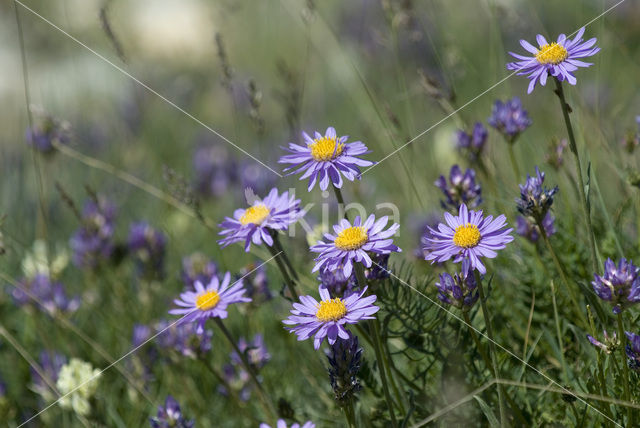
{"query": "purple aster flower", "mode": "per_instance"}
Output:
(215, 170)
(50, 363)
(210, 301)
(46, 294)
(620, 285)
(170, 416)
(352, 243)
(527, 227)
(148, 247)
(344, 364)
(329, 317)
(254, 224)
(468, 235)
(47, 131)
(326, 158)
(535, 199)
(283, 424)
(610, 344)
(461, 189)
(509, 118)
(459, 290)
(633, 350)
(558, 59)
(471, 145)
(555, 157)
(256, 283)
(197, 267)
(93, 242)
(184, 339)
(256, 352)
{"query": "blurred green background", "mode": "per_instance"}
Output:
(259, 73)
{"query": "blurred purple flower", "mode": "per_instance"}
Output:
(170, 416)
(45, 294)
(633, 350)
(256, 177)
(256, 352)
(459, 290)
(461, 189)
(256, 283)
(527, 228)
(336, 283)
(509, 118)
(147, 246)
(50, 363)
(47, 131)
(215, 170)
(184, 338)
(471, 145)
(93, 241)
(535, 199)
(555, 157)
(197, 267)
(620, 285)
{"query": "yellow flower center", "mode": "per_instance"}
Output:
(351, 238)
(331, 310)
(466, 236)
(255, 214)
(324, 149)
(552, 53)
(207, 300)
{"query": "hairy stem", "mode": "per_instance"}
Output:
(563, 275)
(285, 274)
(574, 149)
(280, 248)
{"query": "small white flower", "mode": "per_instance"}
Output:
(77, 382)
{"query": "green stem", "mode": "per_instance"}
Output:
(514, 162)
(383, 372)
(492, 347)
(625, 370)
(563, 275)
(476, 340)
(350, 414)
(559, 334)
(377, 347)
(602, 382)
(340, 199)
(268, 406)
(287, 279)
(574, 148)
(279, 247)
(223, 381)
